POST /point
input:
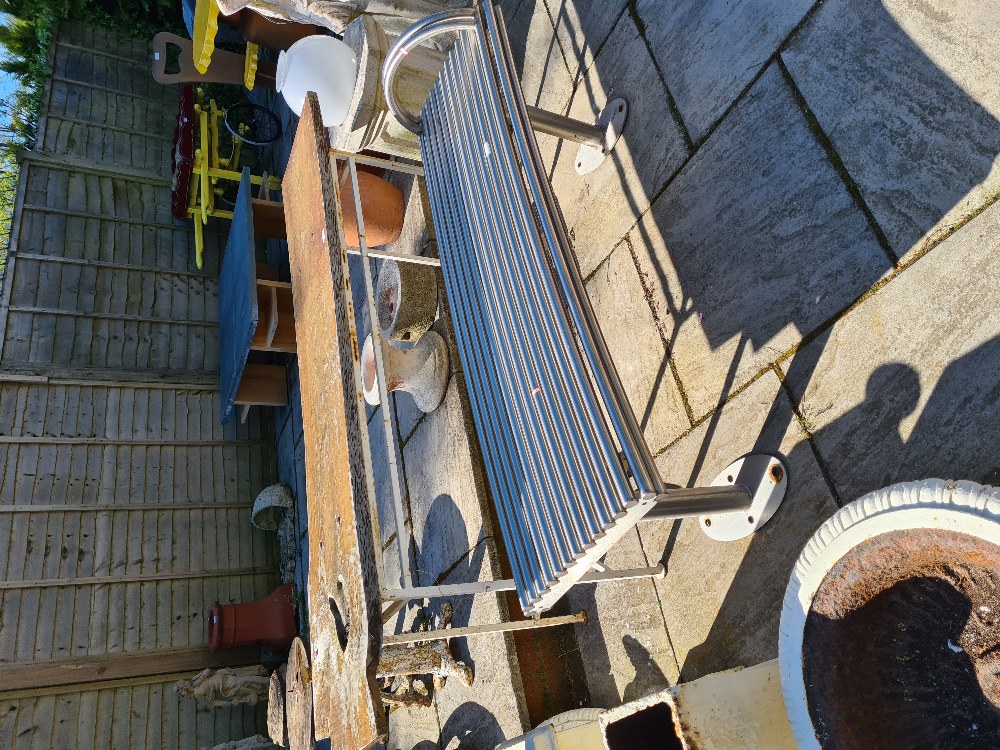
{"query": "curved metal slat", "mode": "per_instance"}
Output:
(553, 460)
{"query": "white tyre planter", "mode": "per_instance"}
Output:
(934, 504)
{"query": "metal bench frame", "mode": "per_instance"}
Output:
(747, 492)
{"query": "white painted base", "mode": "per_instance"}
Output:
(612, 119)
(767, 478)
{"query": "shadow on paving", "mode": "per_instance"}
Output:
(763, 237)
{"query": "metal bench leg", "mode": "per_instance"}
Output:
(740, 500)
(487, 587)
(500, 627)
(596, 140)
(605, 574)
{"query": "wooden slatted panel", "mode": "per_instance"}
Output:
(119, 531)
(123, 506)
(130, 716)
(123, 312)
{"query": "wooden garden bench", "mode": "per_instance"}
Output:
(568, 467)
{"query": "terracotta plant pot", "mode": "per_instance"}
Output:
(266, 622)
(382, 207)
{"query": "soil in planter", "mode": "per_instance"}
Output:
(902, 645)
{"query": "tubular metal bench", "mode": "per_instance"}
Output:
(568, 468)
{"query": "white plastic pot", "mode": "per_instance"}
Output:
(323, 64)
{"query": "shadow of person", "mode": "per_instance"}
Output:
(648, 677)
(873, 445)
(958, 430)
(954, 433)
(891, 673)
(955, 436)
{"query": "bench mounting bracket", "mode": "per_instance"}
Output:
(612, 120)
(766, 478)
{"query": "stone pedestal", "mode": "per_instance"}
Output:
(406, 300)
(369, 125)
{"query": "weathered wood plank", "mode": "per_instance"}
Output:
(122, 717)
(36, 584)
(43, 721)
(154, 723)
(348, 707)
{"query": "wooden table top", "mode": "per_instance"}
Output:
(344, 607)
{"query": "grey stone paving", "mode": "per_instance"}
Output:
(546, 81)
(620, 303)
(448, 523)
(906, 90)
(887, 403)
(710, 51)
(753, 245)
(722, 600)
(452, 537)
(583, 28)
(780, 157)
(627, 650)
(601, 207)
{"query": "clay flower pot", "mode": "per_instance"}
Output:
(267, 622)
(381, 206)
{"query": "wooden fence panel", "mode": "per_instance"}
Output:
(148, 715)
(124, 504)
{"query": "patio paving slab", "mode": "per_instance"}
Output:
(619, 302)
(452, 536)
(905, 387)
(445, 500)
(722, 601)
(583, 26)
(601, 207)
(906, 91)
(754, 244)
(710, 51)
(545, 78)
(413, 729)
(626, 650)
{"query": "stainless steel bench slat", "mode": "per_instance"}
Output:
(553, 465)
(536, 341)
